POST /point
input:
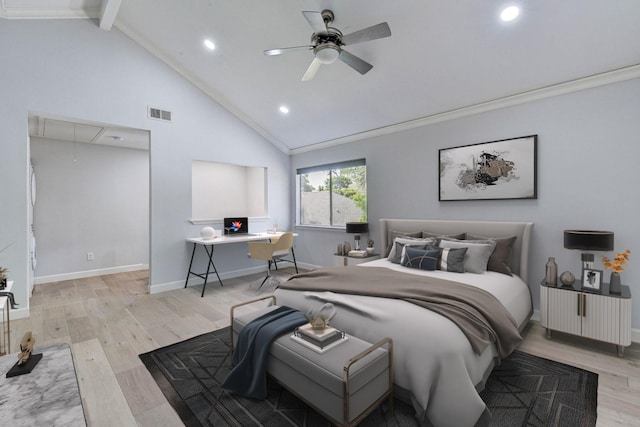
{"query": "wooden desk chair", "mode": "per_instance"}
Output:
(273, 251)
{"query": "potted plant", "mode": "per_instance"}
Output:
(370, 248)
(616, 265)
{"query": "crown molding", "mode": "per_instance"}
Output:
(208, 90)
(602, 79)
(44, 13)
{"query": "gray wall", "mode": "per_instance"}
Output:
(71, 68)
(90, 198)
(588, 156)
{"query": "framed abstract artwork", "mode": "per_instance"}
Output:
(504, 169)
(591, 279)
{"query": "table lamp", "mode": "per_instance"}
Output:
(588, 240)
(357, 228)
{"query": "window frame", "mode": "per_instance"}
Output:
(329, 168)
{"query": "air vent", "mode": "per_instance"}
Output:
(158, 114)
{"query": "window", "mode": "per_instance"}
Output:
(332, 195)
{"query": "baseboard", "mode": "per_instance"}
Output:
(88, 273)
(306, 266)
(193, 281)
(19, 313)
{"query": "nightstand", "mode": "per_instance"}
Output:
(343, 260)
(601, 316)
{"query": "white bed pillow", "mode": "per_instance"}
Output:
(400, 242)
(477, 256)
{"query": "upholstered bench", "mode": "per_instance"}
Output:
(344, 384)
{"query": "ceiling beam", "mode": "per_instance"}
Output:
(108, 13)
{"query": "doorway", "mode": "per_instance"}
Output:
(91, 215)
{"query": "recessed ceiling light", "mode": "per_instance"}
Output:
(209, 44)
(284, 109)
(509, 13)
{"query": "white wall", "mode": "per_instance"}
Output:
(90, 198)
(588, 173)
(222, 190)
(71, 68)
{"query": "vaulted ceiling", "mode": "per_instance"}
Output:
(443, 59)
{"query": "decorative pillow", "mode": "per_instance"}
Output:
(452, 259)
(420, 258)
(477, 256)
(400, 242)
(459, 236)
(500, 259)
(391, 237)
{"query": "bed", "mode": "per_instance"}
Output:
(436, 368)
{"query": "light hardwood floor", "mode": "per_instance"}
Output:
(109, 320)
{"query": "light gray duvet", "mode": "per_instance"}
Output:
(433, 360)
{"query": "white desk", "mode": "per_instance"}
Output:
(5, 338)
(209, 245)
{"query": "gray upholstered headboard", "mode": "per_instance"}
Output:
(522, 230)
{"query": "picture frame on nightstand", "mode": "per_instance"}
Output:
(591, 279)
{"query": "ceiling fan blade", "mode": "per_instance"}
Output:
(280, 51)
(354, 62)
(316, 21)
(374, 32)
(312, 70)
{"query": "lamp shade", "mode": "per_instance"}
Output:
(588, 240)
(357, 227)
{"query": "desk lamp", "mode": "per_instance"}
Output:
(357, 228)
(588, 240)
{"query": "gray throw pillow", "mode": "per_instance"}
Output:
(421, 259)
(391, 237)
(452, 260)
(400, 242)
(500, 259)
(459, 236)
(477, 256)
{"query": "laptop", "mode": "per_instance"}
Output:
(236, 226)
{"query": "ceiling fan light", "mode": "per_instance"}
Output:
(209, 44)
(510, 13)
(327, 54)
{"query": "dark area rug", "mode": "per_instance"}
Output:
(523, 391)
(526, 390)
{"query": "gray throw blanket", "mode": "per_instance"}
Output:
(248, 378)
(480, 316)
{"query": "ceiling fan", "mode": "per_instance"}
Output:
(327, 43)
